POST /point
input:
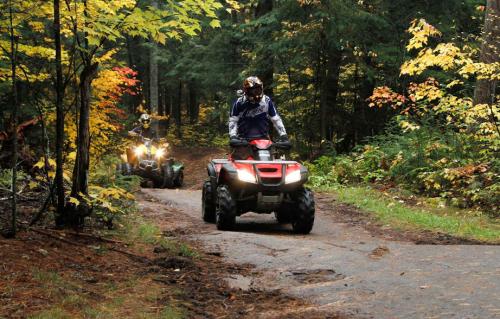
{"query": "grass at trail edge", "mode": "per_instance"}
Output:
(457, 223)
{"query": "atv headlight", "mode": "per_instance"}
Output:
(293, 177)
(139, 151)
(246, 176)
(159, 153)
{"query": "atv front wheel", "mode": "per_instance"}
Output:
(168, 176)
(125, 169)
(284, 214)
(303, 218)
(225, 217)
(207, 203)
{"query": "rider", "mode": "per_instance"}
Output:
(144, 129)
(250, 114)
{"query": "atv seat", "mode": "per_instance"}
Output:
(238, 143)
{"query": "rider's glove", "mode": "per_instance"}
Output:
(283, 138)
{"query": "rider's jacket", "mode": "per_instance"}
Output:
(251, 120)
(144, 132)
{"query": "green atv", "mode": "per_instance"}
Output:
(151, 160)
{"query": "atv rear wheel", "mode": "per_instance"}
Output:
(207, 203)
(168, 176)
(179, 180)
(225, 217)
(303, 219)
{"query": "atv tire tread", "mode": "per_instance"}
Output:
(284, 214)
(208, 206)
(167, 176)
(226, 209)
(125, 169)
(179, 179)
(303, 220)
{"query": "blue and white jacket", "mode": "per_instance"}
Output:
(250, 120)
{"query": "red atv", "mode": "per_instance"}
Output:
(262, 183)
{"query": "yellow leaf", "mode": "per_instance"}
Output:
(40, 164)
(66, 177)
(74, 201)
(32, 184)
(215, 23)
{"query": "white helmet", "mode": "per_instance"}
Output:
(145, 120)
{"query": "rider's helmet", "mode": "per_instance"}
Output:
(253, 88)
(145, 120)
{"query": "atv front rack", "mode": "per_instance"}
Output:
(225, 161)
(253, 162)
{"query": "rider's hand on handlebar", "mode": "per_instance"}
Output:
(283, 138)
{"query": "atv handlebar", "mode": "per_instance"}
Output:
(283, 145)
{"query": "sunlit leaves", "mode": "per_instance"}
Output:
(446, 56)
(384, 96)
(233, 5)
(215, 23)
(450, 107)
(421, 31)
(108, 199)
(74, 201)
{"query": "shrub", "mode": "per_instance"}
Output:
(430, 161)
(110, 191)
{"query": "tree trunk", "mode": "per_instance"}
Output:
(74, 214)
(167, 101)
(267, 61)
(329, 92)
(153, 79)
(153, 84)
(177, 110)
(13, 60)
(193, 103)
(59, 181)
(484, 92)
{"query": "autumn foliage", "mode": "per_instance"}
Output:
(441, 144)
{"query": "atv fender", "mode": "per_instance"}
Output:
(227, 173)
(177, 167)
(212, 175)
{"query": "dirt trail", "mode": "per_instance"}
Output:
(196, 160)
(345, 266)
